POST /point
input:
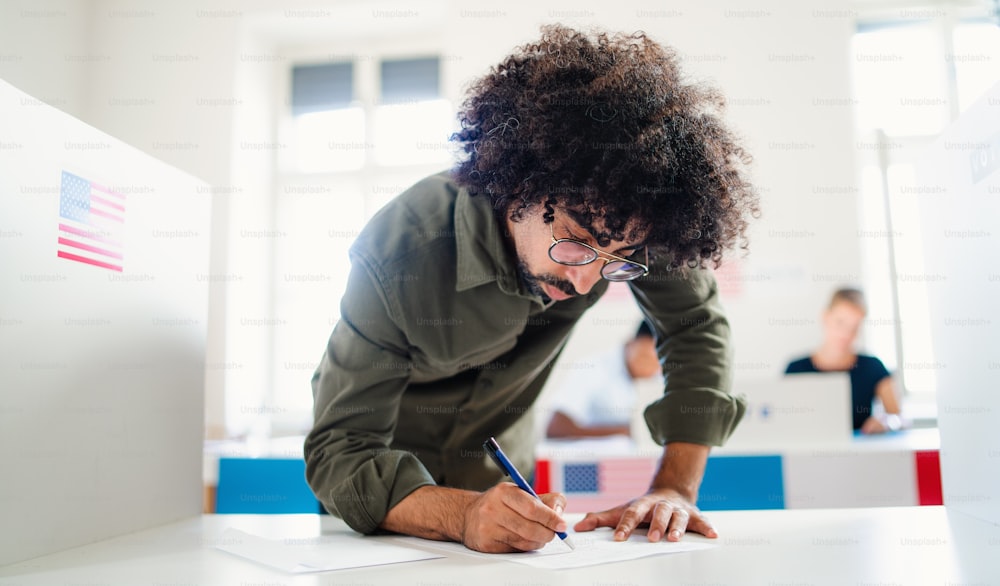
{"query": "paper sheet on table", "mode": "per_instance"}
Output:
(319, 553)
(592, 548)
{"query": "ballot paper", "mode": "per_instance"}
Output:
(592, 548)
(319, 553)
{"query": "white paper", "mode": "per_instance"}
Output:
(319, 553)
(592, 548)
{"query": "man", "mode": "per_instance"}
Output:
(598, 401)
(586, 159)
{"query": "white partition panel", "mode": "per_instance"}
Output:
(103, 299)
(960, 216)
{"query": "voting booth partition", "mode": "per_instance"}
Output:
(960, 231)
(104, 256)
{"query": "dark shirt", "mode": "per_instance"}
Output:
(866, 374)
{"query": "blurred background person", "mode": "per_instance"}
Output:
(599, 401)
(870, 379)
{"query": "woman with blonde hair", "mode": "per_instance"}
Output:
(870, 379)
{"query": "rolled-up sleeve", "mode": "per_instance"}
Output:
(357, 390)
(693, 341)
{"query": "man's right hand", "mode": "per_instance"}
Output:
(506, 519)
(502, 519)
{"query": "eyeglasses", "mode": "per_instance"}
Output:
(567, 251)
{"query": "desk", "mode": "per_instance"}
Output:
(856, 547)
(891, 470)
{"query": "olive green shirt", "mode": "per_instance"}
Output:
(439, 346)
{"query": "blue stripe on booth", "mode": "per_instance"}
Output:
(742, 483)
(264, 485)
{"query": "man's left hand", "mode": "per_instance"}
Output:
(665, 511)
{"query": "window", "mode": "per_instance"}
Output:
(896, 89)
(359, 132)
(410, 114)
(329, 126)
(407, 124)
(976, 59)
(911, 79)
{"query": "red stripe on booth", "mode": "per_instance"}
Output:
(929, 478)
(542, 482)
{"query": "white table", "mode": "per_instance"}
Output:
(852, 547)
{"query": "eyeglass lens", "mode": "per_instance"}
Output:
(573, 253)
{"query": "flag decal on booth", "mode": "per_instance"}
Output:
(91, 223)
(593, 486)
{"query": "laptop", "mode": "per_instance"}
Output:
(811, 409)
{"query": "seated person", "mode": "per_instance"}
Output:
(599, 401)
(869, 377)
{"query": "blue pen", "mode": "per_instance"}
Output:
(493, 449)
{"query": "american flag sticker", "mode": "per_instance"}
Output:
(595, 486)
(91, 223)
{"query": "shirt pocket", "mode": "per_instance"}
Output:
(457, 354)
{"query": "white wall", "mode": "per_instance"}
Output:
(171, 90)
(179, 85)
(45, 50)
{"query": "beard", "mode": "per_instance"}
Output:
(533, 282)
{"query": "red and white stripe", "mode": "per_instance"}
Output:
(99, 242)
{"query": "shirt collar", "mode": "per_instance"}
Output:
(483, 255)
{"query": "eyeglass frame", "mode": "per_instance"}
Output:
(600, 254)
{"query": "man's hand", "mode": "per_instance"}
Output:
(668, 508)
(506, 519)
(502, 519)
(664, 511)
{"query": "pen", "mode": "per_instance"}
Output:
(493, 449)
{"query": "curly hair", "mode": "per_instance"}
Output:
(603, 125)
